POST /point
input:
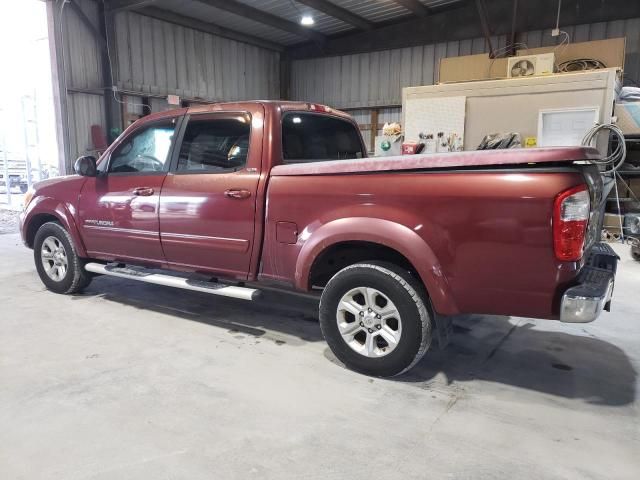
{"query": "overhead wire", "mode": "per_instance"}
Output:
(564, 42)
(558, 15)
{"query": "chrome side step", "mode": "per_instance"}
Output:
(141, 275)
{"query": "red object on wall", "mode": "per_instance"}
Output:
(98, 138)
(410, 148)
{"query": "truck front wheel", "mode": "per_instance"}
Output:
(57, 263)
(374, 318)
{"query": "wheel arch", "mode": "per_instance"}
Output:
(392, 241)
(34, 225)
(45, 210)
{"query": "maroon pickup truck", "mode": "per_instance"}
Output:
(228, 197)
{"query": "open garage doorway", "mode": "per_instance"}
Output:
(28, 147)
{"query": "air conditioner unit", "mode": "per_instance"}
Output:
(530, 65)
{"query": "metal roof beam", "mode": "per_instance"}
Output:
(339, 13)
(214, 29)
(484, 23)
(115, 5)
(265, 18)
(459, 21)
(414, 6)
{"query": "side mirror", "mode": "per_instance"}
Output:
(86, 166)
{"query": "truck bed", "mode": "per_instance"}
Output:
(482, 237)
(480, 158)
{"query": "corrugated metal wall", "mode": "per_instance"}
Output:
(152, 57)
(377, 78)
(161, 58)
(82, 70)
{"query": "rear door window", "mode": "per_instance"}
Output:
(215, 145)
(312, 137)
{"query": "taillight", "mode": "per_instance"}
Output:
(570, 219)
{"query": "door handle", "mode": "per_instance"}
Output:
(143, 191)
(237, 193)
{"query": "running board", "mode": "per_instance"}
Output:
(221, 289)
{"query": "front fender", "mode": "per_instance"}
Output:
(64, 213)
(383, 232)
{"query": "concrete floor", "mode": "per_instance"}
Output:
(8, 218)
(131, 381)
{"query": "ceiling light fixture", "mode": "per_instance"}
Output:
(307, 20)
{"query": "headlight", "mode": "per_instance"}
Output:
(28, 197)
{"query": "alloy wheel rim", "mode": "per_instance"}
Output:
(54, 259)
(369, 322)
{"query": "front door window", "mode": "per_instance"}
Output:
(144, 151)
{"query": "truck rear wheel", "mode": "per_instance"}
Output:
(375, 319)
(57, 263)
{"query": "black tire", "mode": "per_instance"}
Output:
(408, 297)
(76, 277)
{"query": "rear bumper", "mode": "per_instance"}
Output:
(584, 302)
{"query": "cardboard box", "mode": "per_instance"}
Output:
(612, 222)
(471, 67)
(480, 67)
(610, 52)
(387, 146)
(632, 188)
(634, 185)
